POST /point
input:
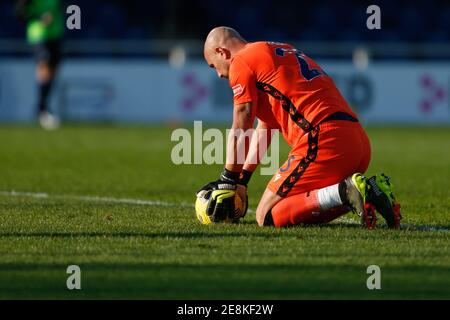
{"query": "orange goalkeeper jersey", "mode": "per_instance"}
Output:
(300, 93)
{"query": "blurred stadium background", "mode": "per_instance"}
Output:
(139, 61)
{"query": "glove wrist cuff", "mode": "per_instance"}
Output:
(229, 176)
(245, 177)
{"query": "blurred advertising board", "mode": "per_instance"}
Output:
(123, 91)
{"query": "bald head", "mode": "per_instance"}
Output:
(221, 44)
(224, 37)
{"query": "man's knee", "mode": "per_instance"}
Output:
(260, 216)
(264, 210)
(264, 219)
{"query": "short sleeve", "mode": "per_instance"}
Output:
(242, 82)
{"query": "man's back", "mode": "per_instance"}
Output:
(301, 94)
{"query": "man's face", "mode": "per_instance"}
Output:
(219, 59)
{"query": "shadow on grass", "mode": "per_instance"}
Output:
(230, 267)
(266, 232)
(211, 233)
(217, 280)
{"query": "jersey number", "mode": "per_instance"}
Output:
(307, 73)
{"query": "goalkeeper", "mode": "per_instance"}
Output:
(286, 90)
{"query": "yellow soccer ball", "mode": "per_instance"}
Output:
(203, 200)
(201, 203)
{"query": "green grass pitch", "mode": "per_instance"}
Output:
(160, 251)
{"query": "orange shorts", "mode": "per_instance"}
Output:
(326, 155)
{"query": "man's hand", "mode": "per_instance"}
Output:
(241, 189)
(223, 192)
(226, 180)
(241, 192)
(221, 206)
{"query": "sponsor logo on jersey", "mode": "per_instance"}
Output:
(237, 90)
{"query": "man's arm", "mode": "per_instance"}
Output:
(241, 132)
(237, 149)
(261, 139)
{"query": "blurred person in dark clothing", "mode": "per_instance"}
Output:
(45, 29)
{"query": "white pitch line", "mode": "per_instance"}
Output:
(40, 195)
(404, 226)
(43, 195)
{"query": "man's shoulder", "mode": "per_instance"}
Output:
(253, 54)
(253, 49)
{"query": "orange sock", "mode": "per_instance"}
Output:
(303, 208)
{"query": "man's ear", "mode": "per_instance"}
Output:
(223, 52)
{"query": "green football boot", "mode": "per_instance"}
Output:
(379, 195)
(353, 191)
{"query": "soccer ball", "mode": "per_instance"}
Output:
(204, 199)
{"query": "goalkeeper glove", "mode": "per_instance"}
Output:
(221, 200)
(241, 180)
(221, 206)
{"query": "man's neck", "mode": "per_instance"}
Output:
(238, 47)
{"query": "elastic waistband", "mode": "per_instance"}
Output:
(340, 116)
